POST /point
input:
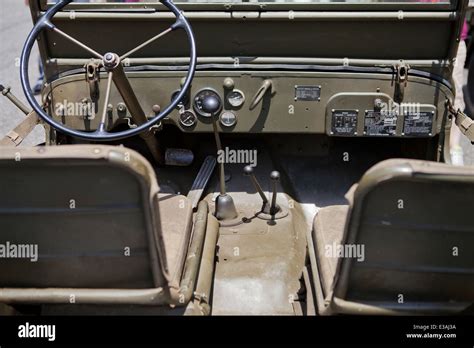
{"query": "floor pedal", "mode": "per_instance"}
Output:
(201, 180)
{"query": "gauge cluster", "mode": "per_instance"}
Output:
(315, 105)
(190, 115)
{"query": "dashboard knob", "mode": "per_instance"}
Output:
(229, 83)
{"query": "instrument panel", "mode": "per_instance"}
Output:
(336, 104)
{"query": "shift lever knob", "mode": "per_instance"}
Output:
(211, 104)
(248, 170)
(275, 177)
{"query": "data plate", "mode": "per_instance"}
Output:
(380, 123)
(308, 93)
(344, 122)
(418, 123)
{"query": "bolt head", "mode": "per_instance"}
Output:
(110, 60)
(275, 175)
(109, 57)
(121, 107)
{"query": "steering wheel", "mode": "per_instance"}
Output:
(112, 63)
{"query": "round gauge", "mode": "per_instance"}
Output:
(187, 118)
(200, 97)
(183, 101)
(236, 98)
(228, 119)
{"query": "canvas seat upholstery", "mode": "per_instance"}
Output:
(96, 216)
(413, 219)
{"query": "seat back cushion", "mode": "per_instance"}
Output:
(415, 222)
(73, 217)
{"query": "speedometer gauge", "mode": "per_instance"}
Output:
(236, 98)
(199, 99)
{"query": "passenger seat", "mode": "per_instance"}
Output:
(403, 245)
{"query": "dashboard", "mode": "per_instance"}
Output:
(332, 103)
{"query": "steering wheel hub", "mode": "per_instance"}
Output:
(111, 60)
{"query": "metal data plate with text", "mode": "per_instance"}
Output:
(308, 93)
(378, 123)
(418, 123)
(344, 122)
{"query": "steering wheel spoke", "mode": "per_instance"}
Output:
(103, 119)
(77, 42)
(146, 43)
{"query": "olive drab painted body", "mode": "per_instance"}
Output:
(254, 158)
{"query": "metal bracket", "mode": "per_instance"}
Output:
(201, 298)
(401, 80)
(15, 137)
(464, 122)
(156, 128)
(93, 78)
(130, 122)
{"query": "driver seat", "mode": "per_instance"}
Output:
(102, 232)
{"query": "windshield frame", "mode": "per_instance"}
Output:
(264, 6)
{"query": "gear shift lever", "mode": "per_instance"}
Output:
(248, 171)
(275, 177)
(225, 207)
(266, 207)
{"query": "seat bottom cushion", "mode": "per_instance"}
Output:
(328, 231)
